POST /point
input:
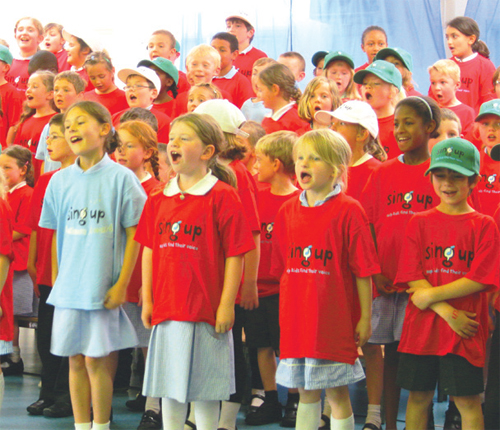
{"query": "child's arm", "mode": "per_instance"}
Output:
(4, 272)
(117, 294)
(16, 235)
(32, 261)
(249, 293)
(147, 286)
(232, 277)
(461, 322)
(55, 267)
(363, 328)
(383, 284)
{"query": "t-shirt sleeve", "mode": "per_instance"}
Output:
(35, 207)
(134, 198)
(20, 219)
(485, 267)
(5, 232)
(410, 267)
(233, 226)
(369, 196)
(48, 218)
(41, 149)
(279, 245)
(145, 228)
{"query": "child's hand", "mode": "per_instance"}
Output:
(383, 285)
(1, 312)
(363, 331)
(139, 303)
(147, 312)
(463, 323)
(115, 297)
(224, 319)
(422, 298)
(249, 296)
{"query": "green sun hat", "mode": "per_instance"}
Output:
(338, 56)
(455, 154)
(404, 56)
(162, 63)
(383, 70)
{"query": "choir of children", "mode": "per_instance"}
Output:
(241, 225)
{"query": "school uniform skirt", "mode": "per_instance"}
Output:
(6, 347)
(25, 301)
(189, 362)
(93, 333)
(133, 311)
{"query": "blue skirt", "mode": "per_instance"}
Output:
(94, 333)
(189, 362)
(133, 311)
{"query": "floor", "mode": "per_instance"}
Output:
(20, 391)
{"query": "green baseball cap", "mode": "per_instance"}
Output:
(177, 46)
(489, 108)
(338, 56)
(455, 154)
(5, 55)
(399, 53)
(162, 63)
(383, 70)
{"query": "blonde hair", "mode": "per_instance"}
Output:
(204, 51)
(304, 108)
(36, 23)
(373, 147)
(332, 148)
(210, 133)
(351, 92)
(73, 78)
(446, 67)
(235, 148)
(47, 78)
(255, 131)
(279, 145)
(264, 61)
(146, 136)
(209, 86)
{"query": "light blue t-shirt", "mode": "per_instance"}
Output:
(90, 211)
(42, 154)
(255, 111)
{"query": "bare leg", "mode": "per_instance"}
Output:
(417, 410)
(101, 372)
(79, 388)
(471, 412)
(267, 368)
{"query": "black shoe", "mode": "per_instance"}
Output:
(150, 420)
(290, 417)
(58, 410)
(9, 368)
(253, 408)
(452, 419)
(138, 404)
(326, 420)
(267, 413)
(38, 407)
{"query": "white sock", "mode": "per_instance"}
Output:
(308, 416)
(228, 413)
(207, 414)
(373, 415)
(2, 388)
(174, 414)
(83, 426)
(191, 416)
(16, 355)
(152, 404)
(345, 424)
(256, 401)
(96, 426)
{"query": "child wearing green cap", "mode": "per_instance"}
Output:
(450, 257)
(381, 89)
(488, 129)
(404, 63)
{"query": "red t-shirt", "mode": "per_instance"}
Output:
(182, 84)
(316, 251)
(466, 115)
(163, 123)
(244, 62)
(247, 190)
(386, 136)
(394, 192)
(488, 188)
(496, 217)
(290, 120)
(6, 300)
(358, 177)
(307, 127)
(43, 235)
(12, 105)
(476, 78)
(467, 247)
(115, 101)
(190, 239)
(268, 205)
(180, 106)
(238, 86)
(62, 61)
(83, 74)
(363, 67)
(18, 74)
(167, 108)
(413, 93)
(19, 201)
(28, 135)
(135, 283)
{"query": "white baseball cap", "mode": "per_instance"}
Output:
(227, 115)
(145, 72)
(354, 111)
(91, 39)
(243, 16)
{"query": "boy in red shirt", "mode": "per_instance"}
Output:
(275, 166)
(446, 322)
(228, 78)
(241, 26)
(380, 88)
(53, 41)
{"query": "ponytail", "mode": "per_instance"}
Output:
(223, 173)
(375, 149)
(481, 48)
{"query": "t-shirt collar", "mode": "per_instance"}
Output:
(230, 74)
(96, 167)
(363, 159)
(280, 112)
(464, 60)
(336, 190)
(15, 187)
(199, 189)
(146, 178)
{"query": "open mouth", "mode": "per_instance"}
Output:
(368, 96)
(75, 139)
(132, 98)
(317, 108)
(305, 177)
(175, 156)
(402, 139)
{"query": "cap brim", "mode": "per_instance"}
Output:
(341, 58)
(454, 167)
(492, 112)
(323, 116)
